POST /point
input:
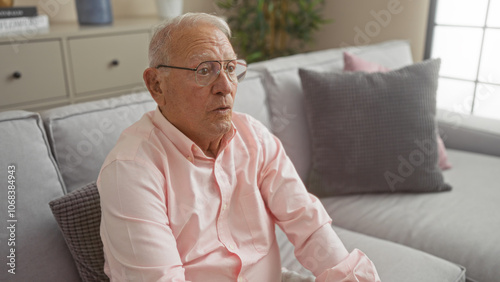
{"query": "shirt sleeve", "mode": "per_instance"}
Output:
(305, 221)
(138, 242)
(356, 267)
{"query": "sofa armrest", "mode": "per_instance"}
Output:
(469, 133)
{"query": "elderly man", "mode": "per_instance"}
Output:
(193, 190)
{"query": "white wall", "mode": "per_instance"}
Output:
(361, 22)
(356, 22)
(65, 11)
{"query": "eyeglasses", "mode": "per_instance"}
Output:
(207, 72)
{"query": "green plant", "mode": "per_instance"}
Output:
(267, 29)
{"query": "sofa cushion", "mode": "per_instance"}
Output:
(461, 226)
(394, 262)
(40, 252)
(79, 217)
(251, 98)
(373, 132)
(81, 135)
(355, 63)
(286, 99)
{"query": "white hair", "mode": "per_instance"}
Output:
(161, 42)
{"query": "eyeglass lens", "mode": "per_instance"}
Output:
(207, 72)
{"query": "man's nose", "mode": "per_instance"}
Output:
(223, 84)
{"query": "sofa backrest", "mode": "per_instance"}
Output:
(469, 133)
(251, 98)
(81, 135)
(286, 99)
(32, 245)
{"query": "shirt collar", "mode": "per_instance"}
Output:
(185, 145)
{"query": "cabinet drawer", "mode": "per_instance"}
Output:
(31, 72)
(116, 61)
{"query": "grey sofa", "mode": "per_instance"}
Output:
(449, 236)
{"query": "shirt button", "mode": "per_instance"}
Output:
(231, 247)
(241, 279)
(224, 207)
(189, 158)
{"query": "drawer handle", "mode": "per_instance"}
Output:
(17, 75)
(115, 62)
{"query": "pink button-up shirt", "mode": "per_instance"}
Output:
(170, 213)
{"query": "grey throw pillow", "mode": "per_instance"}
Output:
(79, 217)
(373, 132)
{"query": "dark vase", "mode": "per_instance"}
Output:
(94, 12)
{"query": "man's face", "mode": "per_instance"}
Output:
(200, 112)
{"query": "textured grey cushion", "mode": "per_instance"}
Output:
(40, 252)
(79, 216)
(81, 135)
(286, 98)
(373, 132)
(394, 262)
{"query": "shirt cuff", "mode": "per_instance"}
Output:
(355, 267)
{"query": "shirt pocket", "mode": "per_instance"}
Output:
(259, 221)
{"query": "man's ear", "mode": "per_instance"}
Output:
(151, 77)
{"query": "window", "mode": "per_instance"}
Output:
(465, 34)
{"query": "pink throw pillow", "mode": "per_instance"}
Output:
(355, 63)
(443, 162)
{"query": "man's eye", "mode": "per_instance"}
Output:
(231, 68)
(203, 71)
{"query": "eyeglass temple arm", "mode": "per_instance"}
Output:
(242, 75)
(172, 67)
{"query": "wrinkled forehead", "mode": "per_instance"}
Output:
(201, 43)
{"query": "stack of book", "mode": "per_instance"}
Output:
(19, 19)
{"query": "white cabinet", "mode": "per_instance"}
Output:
(26, 77)
(107, 62)
(70, 64)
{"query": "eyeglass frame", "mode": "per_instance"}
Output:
(238, 77)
